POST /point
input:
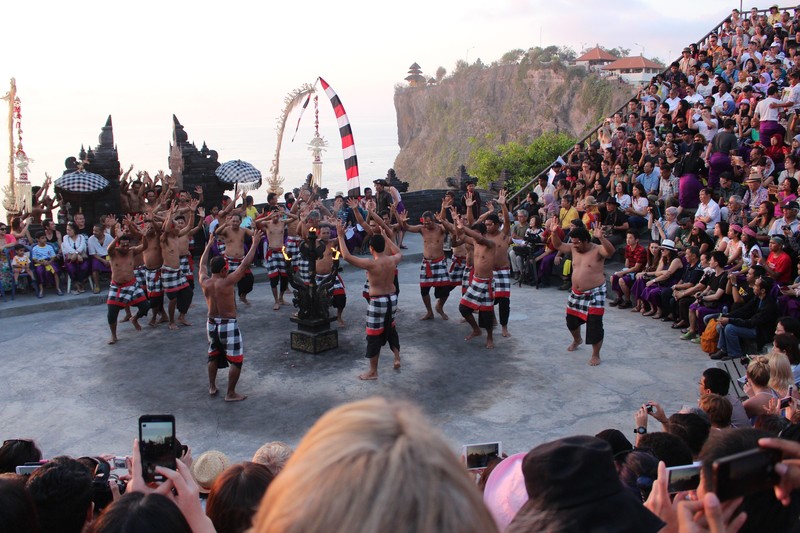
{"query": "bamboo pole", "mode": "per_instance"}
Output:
(9, 202)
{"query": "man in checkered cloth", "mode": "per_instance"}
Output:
(382, 304)
(123, 290)
(274, 226)
(172, 279)
(499, 230)
(234, 236)
(152, 263)
(325, 268)
(225, 345)
(586, 304)
(479, 295)
(433, 272)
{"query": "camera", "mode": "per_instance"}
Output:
(649, 407)
(101, 474)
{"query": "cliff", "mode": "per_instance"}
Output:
(494, 105)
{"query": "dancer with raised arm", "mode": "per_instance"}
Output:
(479, 294)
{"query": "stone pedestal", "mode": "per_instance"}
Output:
(314, 336)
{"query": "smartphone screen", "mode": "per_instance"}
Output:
(156, 444)
(477, 456)
(682, 478)
(745, 473)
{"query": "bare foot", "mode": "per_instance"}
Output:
(475, 333)
(489, 344)
(427, 316)
(369, 376)
(152, 323)
(135, 322)
(212, 391)
(441, 312)
(235, 397)
(397, 362)
(182, 320)
(127, 317)
(276, 307)
(163, 320)
(505, 332)
(173, 326)
(594, 361)
(341, 323)
(280, 301)
(113, 340)
(574, 346)
(462, 321)
(244, 300)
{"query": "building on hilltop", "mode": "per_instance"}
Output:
(636, 70)
(595, 58)
(415, 77)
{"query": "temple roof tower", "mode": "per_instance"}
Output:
(193, 167)
(415, 77)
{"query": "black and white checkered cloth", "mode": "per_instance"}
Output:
(433, 273)
(239, 172)
(457, 266)
(591, 302)
(187, 266)
(123, 295)
(153, 283)
(141, 277)
(293, 246)
(465, 277)
(225, 339)
(276, 264)
(83, 181)
(378, 313)
(479, 295)
(502, 283)
(172, 279)
(303, 269)
(365, 290)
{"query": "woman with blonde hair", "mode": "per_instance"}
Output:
(757, 388)
(780, 373)
(372, 466)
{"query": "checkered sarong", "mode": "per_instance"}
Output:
(591, 302)
(141, 276)
(337, 287)
(225, 340)
(293, 246)
(465, 277)
(433, 273)
(457, 266)
(365, 291)
(233, 264)
(187, 266)
(479, 295)
(220, 245)
(276, 264)
(303, 269)
(502, 283)
(153, 283)
(172, 279)
(378, 310)
(129, 293)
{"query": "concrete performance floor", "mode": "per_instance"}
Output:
(63, 386)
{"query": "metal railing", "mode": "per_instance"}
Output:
(593, 134)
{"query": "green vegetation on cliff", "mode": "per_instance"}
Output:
(522, 161)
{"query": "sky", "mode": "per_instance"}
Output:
(224, 68)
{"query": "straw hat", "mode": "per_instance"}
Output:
(590, 201)
(207, 468)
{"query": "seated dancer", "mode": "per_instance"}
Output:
(479, 295)
(587, 299)
(324, 265)
(382, 299)
(276, 265)
(224, 338)
(433, 270)
(234, 235)
(124, 290)
(172, 279)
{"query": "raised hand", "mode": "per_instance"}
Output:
(198, 189)
(202, 211)
(352, 203)
(447, 202)
(193, 204)
(128, 220)
(598, 230)
(469, 200)
(501, 198)
(553, 226)
(257, 235)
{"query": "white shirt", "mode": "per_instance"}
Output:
(703, 90)
(97, 248)
(673, 103)
(710, 210)
(693, 99)
(705, 130)
(779, 223)
(763, 110)
(78, 246)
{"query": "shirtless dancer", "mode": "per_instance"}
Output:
(224, 338)
(458, 262)
(376, 225)
(152, 263)
(293, 238)
(587, 299)
(124, 290)
(185, 233)
(433, 271)
(139, 270)
(172, 279)
(478, 296)
(275, 262)
(499, 230)
(233, 235)
(324, 265)
(382, 300)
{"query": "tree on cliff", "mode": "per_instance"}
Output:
(522, 161)
(441, 72)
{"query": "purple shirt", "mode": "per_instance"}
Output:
(689, 191)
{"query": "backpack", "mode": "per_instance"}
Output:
(709, 338)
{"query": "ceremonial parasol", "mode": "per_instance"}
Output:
(239, 173)
(81, 182)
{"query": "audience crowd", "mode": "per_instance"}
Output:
(696, 183)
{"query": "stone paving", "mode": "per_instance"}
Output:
(65, 387)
